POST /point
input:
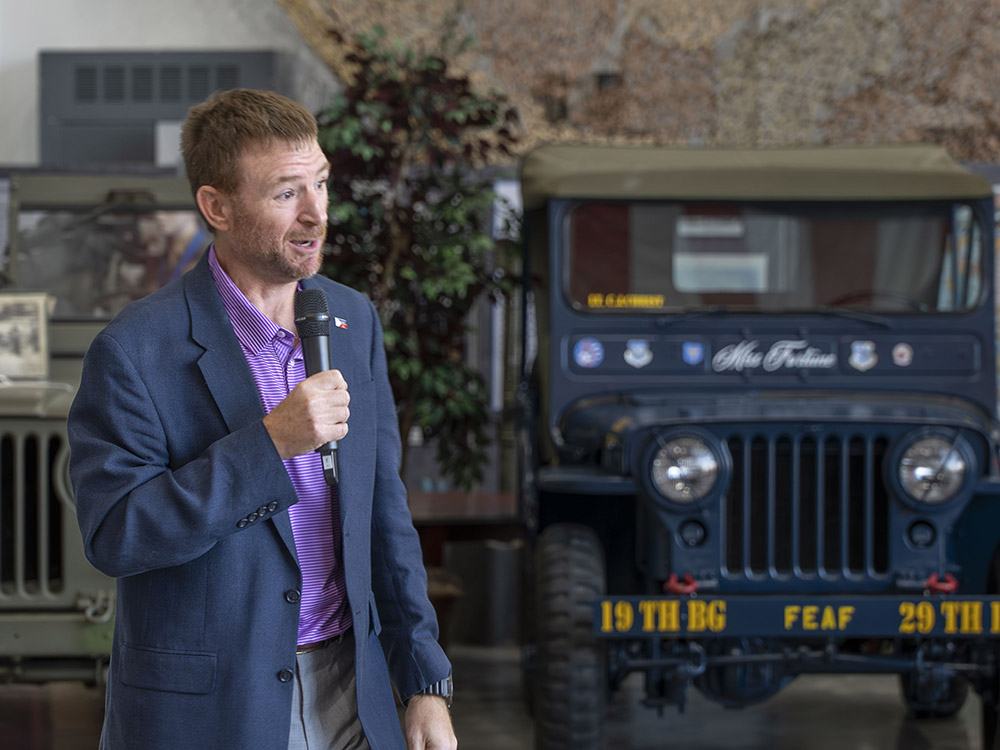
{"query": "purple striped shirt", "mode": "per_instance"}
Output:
(275, 359)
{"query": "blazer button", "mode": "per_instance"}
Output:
(252, 517)
(272, 506)
(262, 511)
(292, 596)
(285, 675)
(241, 524)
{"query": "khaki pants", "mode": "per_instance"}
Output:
(325, 704)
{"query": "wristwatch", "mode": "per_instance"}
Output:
(443, 688)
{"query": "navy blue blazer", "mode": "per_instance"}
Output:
(182, 497)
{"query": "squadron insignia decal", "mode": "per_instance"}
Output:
(637, 353)
(693, 352)
(863, 356)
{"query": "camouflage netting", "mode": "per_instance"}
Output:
(713, 72)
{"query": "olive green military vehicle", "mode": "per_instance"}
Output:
(78, 249)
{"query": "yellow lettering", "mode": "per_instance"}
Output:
(647, 608)
(925, 617)
(972, 617)
(607, 625)
(809, 613)
(845, 614)
(950, 612)
(717, 616)
(791, 615)
(704, 615)
(625, 300)
(663, 615)
(829, 621)
(697, 616)
(995, 617)
(906, 611)
(624, 617)
(917, 617)
(671, 616)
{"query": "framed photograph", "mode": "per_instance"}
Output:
(24, 348)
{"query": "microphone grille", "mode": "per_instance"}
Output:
(312, 316)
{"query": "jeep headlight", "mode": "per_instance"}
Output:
(684, 469)
(933, 468)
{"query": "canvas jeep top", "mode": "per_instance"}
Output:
(758, 425)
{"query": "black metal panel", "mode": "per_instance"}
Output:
(100, 109)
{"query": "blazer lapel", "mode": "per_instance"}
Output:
(224, 367)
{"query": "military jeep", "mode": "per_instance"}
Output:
(79, 248)
(757, 427)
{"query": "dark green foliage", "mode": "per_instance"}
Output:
(410, 213)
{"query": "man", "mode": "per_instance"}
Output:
(258, 607)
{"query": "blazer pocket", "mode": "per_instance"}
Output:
(167, 671)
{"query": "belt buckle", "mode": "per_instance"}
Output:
(307, 648)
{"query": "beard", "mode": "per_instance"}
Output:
(266, 252)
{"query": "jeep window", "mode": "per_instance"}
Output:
(899, 258)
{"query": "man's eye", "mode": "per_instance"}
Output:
(286, 195)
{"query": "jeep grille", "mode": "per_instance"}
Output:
(32, 476)
(806, 506)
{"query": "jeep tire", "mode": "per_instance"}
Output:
(570, 675)
(948, 703)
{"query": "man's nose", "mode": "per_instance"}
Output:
(314, 208)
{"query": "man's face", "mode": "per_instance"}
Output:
(280, 211)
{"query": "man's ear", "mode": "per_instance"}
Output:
(215, 207)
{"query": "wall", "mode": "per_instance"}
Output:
(29, 26)
(715, 72)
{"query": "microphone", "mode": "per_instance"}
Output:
(312, 321)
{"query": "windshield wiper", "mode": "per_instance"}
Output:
(665, 321)
(846, 312)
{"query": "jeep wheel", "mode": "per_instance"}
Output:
(570, 663)
(948, 700)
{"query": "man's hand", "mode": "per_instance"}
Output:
(428, 724)
(313, 414)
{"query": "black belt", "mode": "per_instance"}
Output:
(305, 648)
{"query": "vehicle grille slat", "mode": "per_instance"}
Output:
(31, 517)
(805, 505)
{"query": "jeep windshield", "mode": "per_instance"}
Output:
(94, 243)
(884, 258)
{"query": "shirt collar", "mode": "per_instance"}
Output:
(253, 329)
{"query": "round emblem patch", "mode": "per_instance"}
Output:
(588, 352)
(902, 354)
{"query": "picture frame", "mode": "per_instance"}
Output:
(24, 346)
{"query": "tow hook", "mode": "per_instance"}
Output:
(938, 585)
(676, 586)
(97, 607)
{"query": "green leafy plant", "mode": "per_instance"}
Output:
(410, 209)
